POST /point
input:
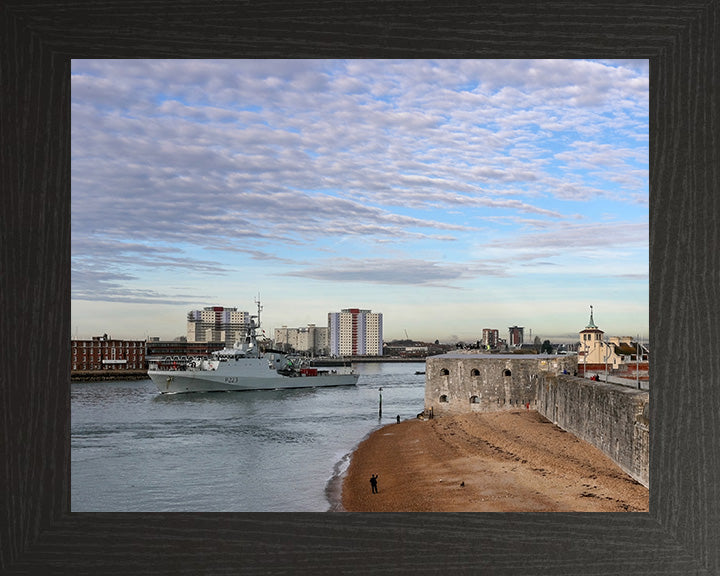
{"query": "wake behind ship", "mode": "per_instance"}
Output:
(242, 367)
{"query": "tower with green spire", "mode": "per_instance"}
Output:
(591, 342)
(591, 324)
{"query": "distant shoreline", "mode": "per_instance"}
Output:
(104, 375)
(347, 360)
(109, 375)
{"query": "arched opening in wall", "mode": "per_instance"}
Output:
(474, 372)
(444, 372)
(443, 398)
(474, 399)
(507, 372)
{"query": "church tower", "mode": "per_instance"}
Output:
(591, 333)
(591, 342)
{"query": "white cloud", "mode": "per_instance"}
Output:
(280, 163)
(403, 272)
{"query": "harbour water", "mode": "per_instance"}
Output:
(134, 450)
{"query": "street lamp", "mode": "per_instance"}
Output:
(607, 355)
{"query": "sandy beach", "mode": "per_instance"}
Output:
(514, 461)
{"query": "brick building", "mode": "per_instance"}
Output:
(105, 353)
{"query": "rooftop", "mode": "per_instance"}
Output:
(475, 354)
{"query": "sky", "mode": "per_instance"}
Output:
(449, 195)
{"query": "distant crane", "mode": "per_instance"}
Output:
(406, 335)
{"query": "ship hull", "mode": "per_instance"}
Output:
(176, 382)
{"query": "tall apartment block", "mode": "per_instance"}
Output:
(355, 332)
(490, 337)
(516, 335)
(217, 324)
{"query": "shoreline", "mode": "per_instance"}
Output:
(513, 461)
(334, 486)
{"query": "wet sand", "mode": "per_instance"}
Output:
(514, 461)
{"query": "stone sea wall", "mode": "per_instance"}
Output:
(613, 418)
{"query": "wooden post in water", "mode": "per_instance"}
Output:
(637, 362)
(380, 405)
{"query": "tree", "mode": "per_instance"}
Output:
(546, 347)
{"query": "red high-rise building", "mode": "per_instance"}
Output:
(355, 332)
(515, 336)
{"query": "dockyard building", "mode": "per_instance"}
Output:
(156, 348)
(105, 353)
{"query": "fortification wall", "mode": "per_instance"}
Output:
(458, 383)
(613, 418)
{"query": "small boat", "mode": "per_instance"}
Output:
(243, 367)
(418, 372)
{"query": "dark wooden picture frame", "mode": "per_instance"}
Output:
(38, 533)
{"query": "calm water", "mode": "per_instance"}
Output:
(268, 451)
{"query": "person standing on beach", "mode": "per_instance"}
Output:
(373, 483)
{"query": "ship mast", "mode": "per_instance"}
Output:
(259, 309)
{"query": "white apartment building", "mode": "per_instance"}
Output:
(355, 332)
(217, 324)
(490, 337)
(312, 340)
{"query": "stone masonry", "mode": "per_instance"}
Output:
(466, 382)
(613, 418)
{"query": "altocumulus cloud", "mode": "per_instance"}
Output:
(348, 171)
(390, 271)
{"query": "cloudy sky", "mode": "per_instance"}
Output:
(450, 195)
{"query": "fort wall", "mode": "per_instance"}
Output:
(466, 382)
(613, 418)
